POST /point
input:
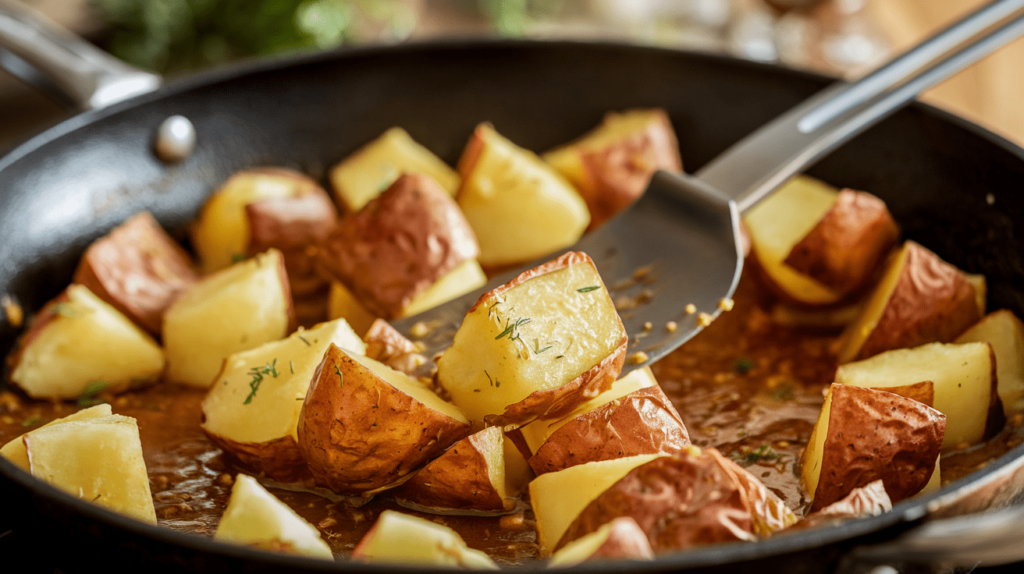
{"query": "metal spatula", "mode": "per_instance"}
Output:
(678, 247)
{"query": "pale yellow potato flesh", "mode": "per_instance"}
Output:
(363, 175)
(537, 432)
(519, 207)
(98, 460)
(403, 539)
(980, 291)
(518, 473)
(1005, 332)
(857, 332)
(235, 309)
(73, 349)
(233, 410)
(780, 222)
(559, 497)
(466, 277)
(567, 333)
(411, 387)
(580, 549)
(961, 374)
(342, 304)
(15, 452)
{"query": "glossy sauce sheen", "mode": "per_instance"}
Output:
(745, 385)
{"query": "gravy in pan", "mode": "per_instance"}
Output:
(745, 385)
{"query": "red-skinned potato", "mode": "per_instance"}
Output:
(364, 426)
(869, 500)
(865, 435)
(1004, 331)
(138, 269)
(385, 344)
(537, 346)
(619, 539)
(612, 165)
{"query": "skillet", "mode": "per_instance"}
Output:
(72, 183)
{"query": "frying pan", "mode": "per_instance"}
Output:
(952, 186)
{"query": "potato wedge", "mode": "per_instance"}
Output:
(1004, 331)
(363, 175)
(138, 269)
(518, 473)
(869, 500)
(342, 304)
(252, 409)
(364, 426)
(15, 452)
(539, 345)
(470, 475)
(920, 299)
(66, 349)
(403, 539)
(612, 165)
(254, 517)
(619, 539)
(233, 310)
(964, 379)
(399, 245)
(864, 435)
(97, 459)
(519, 207)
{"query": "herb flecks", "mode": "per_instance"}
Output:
(743, 366)
(66, 309)
(308, 344)
(536, 347)
(90, 394)
(31, 421)
(762, 453)
(588, 289)
(257, 374)
(341, 377)
(784, 392)
(512, 329)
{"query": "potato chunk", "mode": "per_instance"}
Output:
(254, 517)
(1004, 331)
(402, 539)
(364, 426)
(235, 309)
(67, 348)
(870, 500)
(519, 207)
(621, 538)
(252, 409)
(98, 459)
(864, 435)
(138, 269)
(963, 378)
(539, 345)
(15, 452)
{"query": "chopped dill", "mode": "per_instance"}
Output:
(31, 421)
(536, 347)
(291, 365)
(257, 374)
(235, 258)
(308, 344)
(90, 394)
(761, 453)
(341, 378)
(512, 329)
(588, 289)
(743, 366)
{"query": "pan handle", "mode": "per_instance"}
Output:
(88, 76)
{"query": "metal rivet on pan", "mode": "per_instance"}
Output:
(175, 139)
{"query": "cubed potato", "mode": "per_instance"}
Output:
(138, 269)
(518, 473)
(67, 349)
(612, 165)
(870, 500)
(252, 409)
(619, 539)
(254, 517)
(385, 344)
(97, 459)
(15, 452)
(470, 476)
(964, 379)
(519, 207)
(1004, 331)
(365, 426)
(980, 291)
(540, 345)
(342, 304)
(363, 175)
(864, 435)
(400, 245)
(402, 539)
(233, 310)
(920, 299)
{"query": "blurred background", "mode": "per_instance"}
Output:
(837, 37)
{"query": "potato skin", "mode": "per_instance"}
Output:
(877, 435)
(399, 245)
(844, 250)
(459, 478)
(626, 540)
(138, 269)
(358, 433)
(868, 500)
(642, 422)
(280, 459)
(385, 344)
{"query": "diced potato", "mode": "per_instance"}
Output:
(621, 538)
(98, 459)
(15, 452)
(402, 539)
(518, 473)
(468, 276)
(254, 517)
(342, 304)
(870, 500)
(236, 309)
(1004, 331)
(67, 349)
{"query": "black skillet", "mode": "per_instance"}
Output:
(952, 186)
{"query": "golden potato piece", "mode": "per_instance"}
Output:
(66, 349)
(98, 459)
(519, 207)
(342, 304)
(363, 175)
(619, 539)
(518, 473)
(138, 269)
(539, 345)
(863, 435)
(920, 299)
(402, 539)
(252, 409)
(254, 517)
(612, 165)
(364, 426)
(15, 452)
(235, 309)
(1004, 331)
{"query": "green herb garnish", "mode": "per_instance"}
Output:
(341, 378)
(291, 365)
(743, 366)
(536, 347)
(588, 289)
(237, 257)
(761, 453)
(308, 344)
(783, 392)
(31, 421)
(512, 329)
(89, 396)
(257, 374)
